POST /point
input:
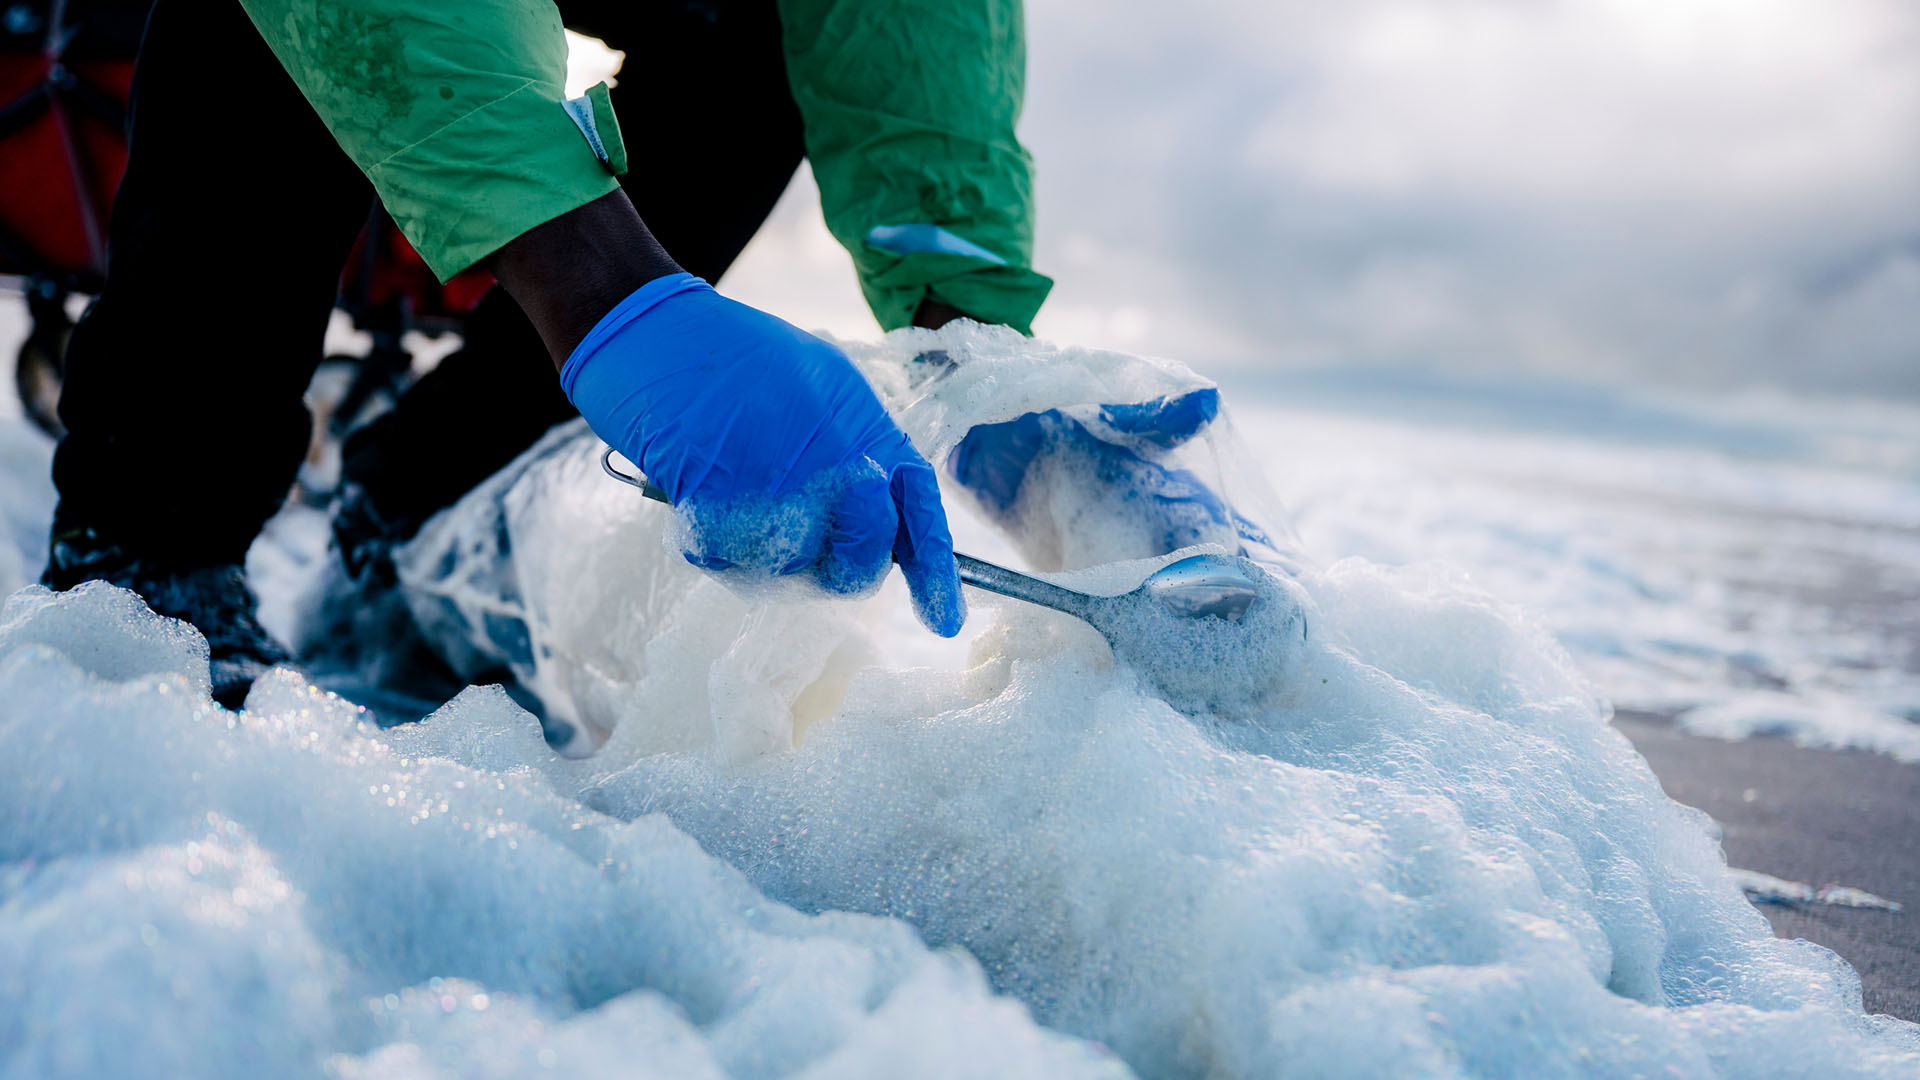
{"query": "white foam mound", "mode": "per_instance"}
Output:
(287, 892)
(1429, 865)
(1432, 857)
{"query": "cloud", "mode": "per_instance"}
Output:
(1711, 192)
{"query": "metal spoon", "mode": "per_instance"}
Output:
(1204, 589)
(1196, 587)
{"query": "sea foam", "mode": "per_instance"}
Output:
(793, 854)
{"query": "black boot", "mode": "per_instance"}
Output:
(365, 538)
(363, 625)
(215, 599)
(359, 637)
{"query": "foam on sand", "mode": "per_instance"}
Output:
(793, 855)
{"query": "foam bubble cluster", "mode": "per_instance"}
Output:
(288, 891)
(1224, 666)
(782, 549)
(1425, 866)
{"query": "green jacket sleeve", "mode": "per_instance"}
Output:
(909, 108)
(453, 109)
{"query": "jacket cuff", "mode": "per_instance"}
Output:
(521, 161)
(1005, 295)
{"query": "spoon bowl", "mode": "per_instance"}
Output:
(1214, 633)
(1203, 587)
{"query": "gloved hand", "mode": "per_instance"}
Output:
(773, 448)
(1114, 449)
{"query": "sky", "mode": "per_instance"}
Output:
(1711, 194)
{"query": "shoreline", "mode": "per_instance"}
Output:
(1818, 816)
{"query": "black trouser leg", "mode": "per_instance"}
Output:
(714, 137)
(184, 383)
(711, 127)
(461, 422)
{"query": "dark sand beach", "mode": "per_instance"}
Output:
(1816, 816)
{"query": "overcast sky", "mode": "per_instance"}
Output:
(1717, 193)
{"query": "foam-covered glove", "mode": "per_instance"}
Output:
(1113, 450)
(770, 444)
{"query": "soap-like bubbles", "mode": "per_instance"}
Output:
(793, 854)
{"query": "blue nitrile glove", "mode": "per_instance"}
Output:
(1118, 442)
(771, 445)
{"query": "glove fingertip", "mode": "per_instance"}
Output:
(944, 613)
(934, 582)
(924, 549)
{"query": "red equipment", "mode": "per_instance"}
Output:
(66, 67)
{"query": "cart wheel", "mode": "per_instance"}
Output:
(36, 378)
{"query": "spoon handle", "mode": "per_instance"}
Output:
(998, 579)
(975, 572)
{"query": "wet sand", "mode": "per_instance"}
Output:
(1815, 816)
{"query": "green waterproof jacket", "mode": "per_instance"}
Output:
(455, 110)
